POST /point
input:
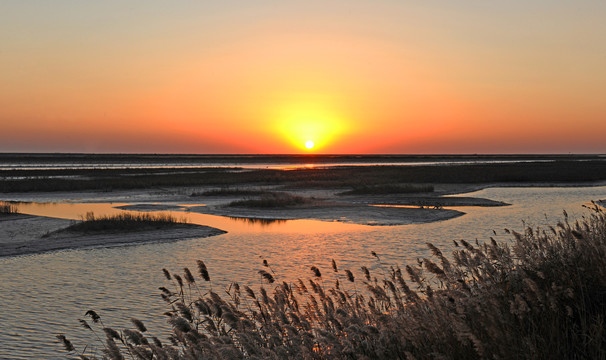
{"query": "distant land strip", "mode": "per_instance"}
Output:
(566, 170)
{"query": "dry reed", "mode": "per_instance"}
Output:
(541, 295)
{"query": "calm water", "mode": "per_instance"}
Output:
(43, 295)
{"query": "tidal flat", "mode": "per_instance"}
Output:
(365, 190)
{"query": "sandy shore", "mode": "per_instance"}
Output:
(27, 234)
(425, 201)
(363, 215)
(182, 195)
(355, 214)
(22, 229)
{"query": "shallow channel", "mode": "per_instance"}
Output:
(43, 295)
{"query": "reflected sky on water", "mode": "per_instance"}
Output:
(46, 294)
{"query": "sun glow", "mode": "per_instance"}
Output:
(308, 126)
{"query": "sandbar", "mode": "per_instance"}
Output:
(27, 234)
(362, 214)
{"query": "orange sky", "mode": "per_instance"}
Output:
(351, 76)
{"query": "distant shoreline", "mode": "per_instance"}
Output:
(68, 176)
(289, 158)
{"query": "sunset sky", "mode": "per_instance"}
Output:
(351, 76)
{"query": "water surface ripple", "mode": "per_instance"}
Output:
(43, 295)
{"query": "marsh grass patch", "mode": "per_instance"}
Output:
(276, 200)
(124, 222)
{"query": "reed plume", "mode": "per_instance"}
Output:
(541, 294)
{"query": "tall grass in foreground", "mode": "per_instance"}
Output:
(8, 208)
(123, 222)
(542, 295)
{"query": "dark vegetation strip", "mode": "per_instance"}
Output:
(101, 171)
(388, 189)
(541, 295)
(341, 177)
(226, 191)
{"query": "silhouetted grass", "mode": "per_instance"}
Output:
(274, 200)
(7, 208)
(258, 221)
(542, 295)
(123, 222)
(388, 189)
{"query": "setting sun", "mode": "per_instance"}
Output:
(306, 124)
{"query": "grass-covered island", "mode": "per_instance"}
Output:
(97, 231)
(124, 222)
(540, 295)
